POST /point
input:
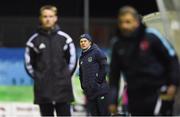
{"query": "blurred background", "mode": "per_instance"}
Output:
(19, 19)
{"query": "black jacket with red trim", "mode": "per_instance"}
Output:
(147, 61)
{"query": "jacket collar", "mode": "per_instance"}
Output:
(54, 30)
(94, 46)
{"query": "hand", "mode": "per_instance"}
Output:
(171, 91)
(112, 108)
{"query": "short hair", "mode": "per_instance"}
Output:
(49, 7)
(129, 10)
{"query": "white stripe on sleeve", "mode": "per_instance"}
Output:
(72, 62)
(68, 38)
(30, 44)
(28, 62)
(72, 49)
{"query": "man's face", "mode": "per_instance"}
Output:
(85, 44)
(127, 24)
(48, 18)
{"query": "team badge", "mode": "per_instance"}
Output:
(144, 45)
(90, 59)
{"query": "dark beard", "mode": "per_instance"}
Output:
(136, 33)
(128, 34)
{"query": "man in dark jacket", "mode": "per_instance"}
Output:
(93, 69)
(149, 64)
(50, 59)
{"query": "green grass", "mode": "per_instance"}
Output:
(25, 93)
(16, 94)
(78, 93)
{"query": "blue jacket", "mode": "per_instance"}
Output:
(93, 70)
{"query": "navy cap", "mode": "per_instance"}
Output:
(87, 36)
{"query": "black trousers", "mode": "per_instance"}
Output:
(146, 106)
(61, 109)
(98, 106)
(167, 108)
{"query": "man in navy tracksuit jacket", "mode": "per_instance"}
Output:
(93, 69)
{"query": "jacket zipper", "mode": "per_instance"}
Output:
(51, 62)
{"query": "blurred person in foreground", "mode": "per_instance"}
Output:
(148, 62)
(50, 59)
(93, 70)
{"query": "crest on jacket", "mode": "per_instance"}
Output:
(144, 45)
(90, 59)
